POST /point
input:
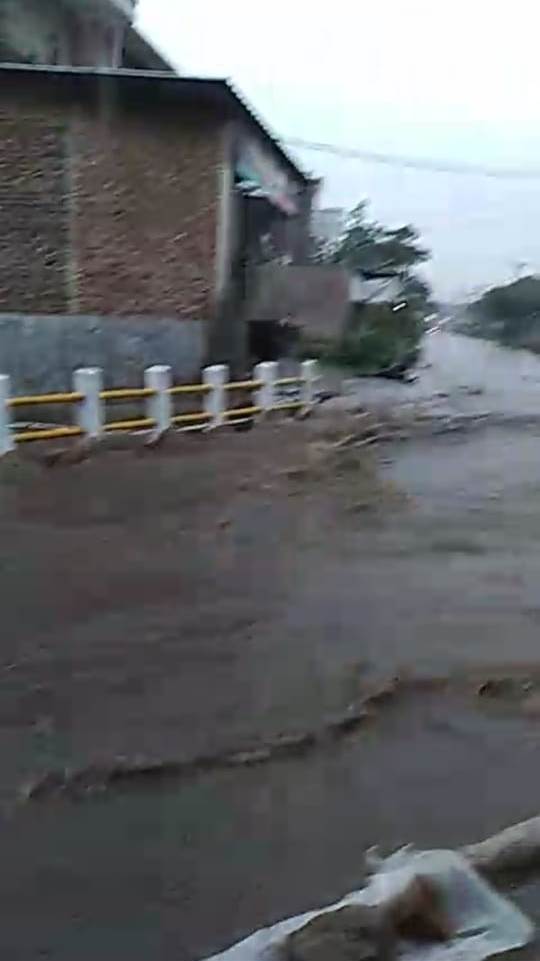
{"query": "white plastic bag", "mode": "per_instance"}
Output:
(485, 923)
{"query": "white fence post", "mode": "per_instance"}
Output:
(88, 382)
(215, 404)
(267, 373)
(310, 376)
(7, 444)
(159, 405)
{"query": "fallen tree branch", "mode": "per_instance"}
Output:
(512, 851)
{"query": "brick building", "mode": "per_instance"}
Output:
(131, 193)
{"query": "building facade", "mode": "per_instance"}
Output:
(328, 224)
(126, 193)
(89, 33)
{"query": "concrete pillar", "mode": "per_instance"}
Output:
(159, 406)
(310, 377)
(7, 444)
(88, 381)
(266, 372)
(215, 400)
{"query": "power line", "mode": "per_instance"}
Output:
(417, 163)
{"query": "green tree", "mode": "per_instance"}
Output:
(367, 245)
(418, 293)
(509, 313)
(378, 337)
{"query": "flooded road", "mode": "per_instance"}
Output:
(462, 375)
(214, 613)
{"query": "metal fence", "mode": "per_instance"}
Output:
(261, 395)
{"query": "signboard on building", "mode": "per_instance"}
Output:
(257, 167)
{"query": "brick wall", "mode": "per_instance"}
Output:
(33, 216)
(107, 211)
(146, 198)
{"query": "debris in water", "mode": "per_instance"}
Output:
(357, 932)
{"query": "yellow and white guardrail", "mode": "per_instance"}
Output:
(89, 400)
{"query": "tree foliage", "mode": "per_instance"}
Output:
(376, 337)
(509, 313)
(368, 245)
(379, 339)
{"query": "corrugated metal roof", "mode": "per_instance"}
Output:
(138, 46)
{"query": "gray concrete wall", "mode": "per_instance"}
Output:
(40, 353)
(314, 297)
(78, 33)
(33, 30)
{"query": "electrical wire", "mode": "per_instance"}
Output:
(416, 163)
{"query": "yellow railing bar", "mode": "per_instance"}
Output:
(290, 405)
(127, 393)
(190, 389)
(243, 411)
(71, 397)
(137, 424)
(288, 381)
(52, 434)
(244, 385)
(191, 418)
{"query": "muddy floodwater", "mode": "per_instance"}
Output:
(459, 374)
(206, 598)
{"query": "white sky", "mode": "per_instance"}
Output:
(457, 81)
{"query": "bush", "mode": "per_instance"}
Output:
(377, 339)
(509, 314)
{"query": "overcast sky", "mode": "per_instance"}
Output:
(449, 82)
